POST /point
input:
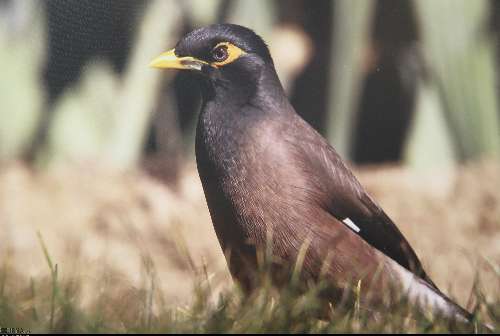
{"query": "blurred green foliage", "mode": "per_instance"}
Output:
(461, 55)
(352, 20)
(106, 118)
(21, 97)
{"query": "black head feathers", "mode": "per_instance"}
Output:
(200, 42)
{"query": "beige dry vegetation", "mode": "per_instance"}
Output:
(114, 231)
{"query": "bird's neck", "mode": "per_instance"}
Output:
(270, 93)
(229, 117)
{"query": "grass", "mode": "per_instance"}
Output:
(124, 253)
(49, 304)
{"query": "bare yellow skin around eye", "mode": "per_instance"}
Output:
(233, 54)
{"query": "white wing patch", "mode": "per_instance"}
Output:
(351, 225)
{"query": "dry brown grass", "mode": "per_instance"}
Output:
(452, 219)
(96, 221)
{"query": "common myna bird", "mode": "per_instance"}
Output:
(270, 177)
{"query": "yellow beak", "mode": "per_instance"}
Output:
(168, 60)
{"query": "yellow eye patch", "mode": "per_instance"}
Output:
(233, 53)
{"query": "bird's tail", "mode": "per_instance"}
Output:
(429, 299)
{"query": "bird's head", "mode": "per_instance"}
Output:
(228, 55)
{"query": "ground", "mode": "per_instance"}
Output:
(121, 232)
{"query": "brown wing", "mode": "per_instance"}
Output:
(340, 193)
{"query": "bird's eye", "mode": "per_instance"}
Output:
(220, 53)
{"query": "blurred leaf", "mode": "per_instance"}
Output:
(258, 15)
(202, 12)
(21, 53)
(352, 19)
(461, 57)
(429, 142)
(84, 116)
(136, 100)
